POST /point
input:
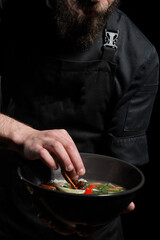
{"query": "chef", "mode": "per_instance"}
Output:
(76, 76)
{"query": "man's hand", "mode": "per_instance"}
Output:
(129, 208)
(53, 147)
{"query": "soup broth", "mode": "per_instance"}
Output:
(84, 187)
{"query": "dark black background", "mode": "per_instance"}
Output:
(143, 222)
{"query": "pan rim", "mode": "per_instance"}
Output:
(84, 196)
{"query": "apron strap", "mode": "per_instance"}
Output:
(110, 39)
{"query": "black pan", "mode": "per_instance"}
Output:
(84, 209)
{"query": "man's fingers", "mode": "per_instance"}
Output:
(73, 153)
(46, 157)
(129, 208)
(57, 155)
(76, 160)
(61, 155)
(54, 147)
(66, 153)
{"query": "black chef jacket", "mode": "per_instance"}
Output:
(134, 87)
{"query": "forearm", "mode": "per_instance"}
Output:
(11, 133)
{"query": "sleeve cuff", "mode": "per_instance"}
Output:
(132, 149)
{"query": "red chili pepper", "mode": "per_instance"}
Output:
(89, 190)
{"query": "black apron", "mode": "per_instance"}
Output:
(75, 96)
(49, 93)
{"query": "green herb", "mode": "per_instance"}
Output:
(67, 185)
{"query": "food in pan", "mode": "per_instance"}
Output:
(83, 187)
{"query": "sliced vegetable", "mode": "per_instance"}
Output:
(89, 190)
(71, 190)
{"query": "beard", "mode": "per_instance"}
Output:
(80, 30)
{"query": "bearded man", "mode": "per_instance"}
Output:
(76, 76)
